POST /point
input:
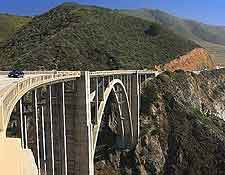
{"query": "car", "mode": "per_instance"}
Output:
(16, 74)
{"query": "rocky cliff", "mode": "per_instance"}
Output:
(182, 128)
(197, 59)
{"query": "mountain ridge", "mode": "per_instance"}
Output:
(74, 37)
(11, 23)
(208, 36)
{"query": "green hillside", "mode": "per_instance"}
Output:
(210, 37)
(216, 50)
(75, 37)
(10, 23)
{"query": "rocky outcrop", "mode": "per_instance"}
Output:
(184, 111)
(182, 127)
(197, 59)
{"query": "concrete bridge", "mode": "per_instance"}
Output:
(54, 122)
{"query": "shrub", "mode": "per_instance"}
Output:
(153, 30)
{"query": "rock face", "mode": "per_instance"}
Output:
(182, 127)
(197, 59)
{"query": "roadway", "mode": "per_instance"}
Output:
(6, 82)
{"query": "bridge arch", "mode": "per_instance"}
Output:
(86, 134)
(13, 94)
(124, 110)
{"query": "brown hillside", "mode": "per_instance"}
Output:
(197, 59)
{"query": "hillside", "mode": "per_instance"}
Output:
(182, 128)
(197, 59)
(210, 37)
(216, 50)
(9, 24)
(74, 37)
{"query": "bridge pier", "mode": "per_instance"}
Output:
(59, 129)
(83, 127)
(135, 106)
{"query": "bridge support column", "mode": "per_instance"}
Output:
(135, 106)
(83, 127)
(59, 163)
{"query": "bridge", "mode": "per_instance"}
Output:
(54, 123)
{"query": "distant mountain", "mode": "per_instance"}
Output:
(10, 23)
(74, 37)
(208, 36)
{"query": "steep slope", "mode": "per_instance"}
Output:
(182, 128)
(216, 50)
(210, 37)
(9, 24)
(185, 113)
(72, 36)
(197, 59)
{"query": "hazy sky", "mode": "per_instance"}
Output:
(207, 11)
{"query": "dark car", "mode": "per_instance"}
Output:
(16, 74)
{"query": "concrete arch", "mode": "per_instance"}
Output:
(111, 89)
(18, 90)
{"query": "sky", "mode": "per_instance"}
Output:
(206, 11)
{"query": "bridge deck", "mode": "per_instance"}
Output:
(6, 83)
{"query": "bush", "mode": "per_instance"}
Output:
(153, 30)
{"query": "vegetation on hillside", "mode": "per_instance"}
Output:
(10, 24)
(74, 37)
(216, 50)
(210, 37)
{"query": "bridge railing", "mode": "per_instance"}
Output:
(121, 72)
(39, 72)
